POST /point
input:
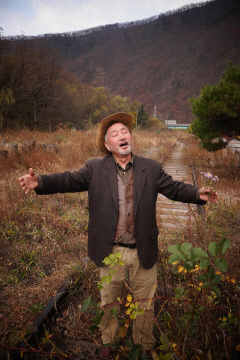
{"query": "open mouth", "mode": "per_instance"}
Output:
(124, 144)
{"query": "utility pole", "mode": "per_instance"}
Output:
(155, 111)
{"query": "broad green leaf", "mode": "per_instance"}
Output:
(108, 279)
(186, 249)
(189, 265)
(224, 245)
(199, 253)
(221, 264)
(174, 248)
(167, 357)
(164, 340)
(107, 261)
(213, 249)
(204, 263)
(176, 256)
(163, 347)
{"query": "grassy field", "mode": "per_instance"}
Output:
(43, 243)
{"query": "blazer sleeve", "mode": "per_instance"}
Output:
(65, 182)
(177, 190)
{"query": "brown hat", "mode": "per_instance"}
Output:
(104, 124)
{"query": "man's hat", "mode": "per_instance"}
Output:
(104, 124)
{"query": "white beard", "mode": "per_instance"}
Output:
(125, 151)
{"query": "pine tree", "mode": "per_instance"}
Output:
(217, 110)
(142, 116)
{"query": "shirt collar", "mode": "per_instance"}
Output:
(129, 164)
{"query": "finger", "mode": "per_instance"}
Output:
(205, 190)
(32, 172)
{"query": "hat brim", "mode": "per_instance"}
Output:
(104, 124)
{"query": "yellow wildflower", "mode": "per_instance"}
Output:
(224, 319)
(197, 268)
(175, 262)
(129, 298)
(181, 269)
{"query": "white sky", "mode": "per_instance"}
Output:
(35, 17)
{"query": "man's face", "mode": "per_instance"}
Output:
(118, 139)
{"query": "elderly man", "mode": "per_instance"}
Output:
(123, 190)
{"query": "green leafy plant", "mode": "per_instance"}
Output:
(207, 263)
(167, 349)
(89, 305)
(112, 261)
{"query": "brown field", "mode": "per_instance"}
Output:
(43, 239)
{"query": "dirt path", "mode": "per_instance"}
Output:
(174, 216)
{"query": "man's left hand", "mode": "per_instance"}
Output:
(208, 194)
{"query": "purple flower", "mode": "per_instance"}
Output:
(209, 176)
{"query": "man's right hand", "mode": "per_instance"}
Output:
(29, 182)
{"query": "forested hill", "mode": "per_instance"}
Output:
(161, 61)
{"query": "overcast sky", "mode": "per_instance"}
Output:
(35, 17)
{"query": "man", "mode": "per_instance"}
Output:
(123, 190)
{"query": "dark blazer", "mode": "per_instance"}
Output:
(99, 178)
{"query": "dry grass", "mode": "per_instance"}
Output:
(43, 239)
(153, 145)
(224, 163)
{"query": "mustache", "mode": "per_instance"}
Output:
(124, 143)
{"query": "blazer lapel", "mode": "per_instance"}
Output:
(111, 178)
(139, 181)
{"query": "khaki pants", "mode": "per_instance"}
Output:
(143, 285)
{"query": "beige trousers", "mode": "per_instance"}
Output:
(143, 285)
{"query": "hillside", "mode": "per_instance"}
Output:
(161, 61)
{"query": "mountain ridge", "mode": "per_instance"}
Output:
(162, 62)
